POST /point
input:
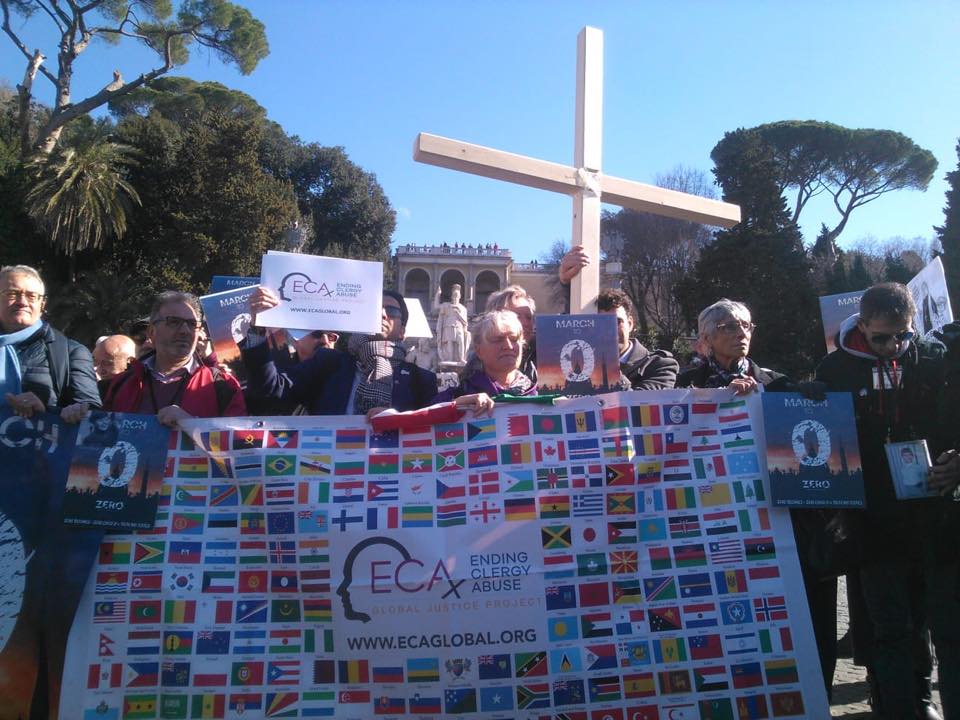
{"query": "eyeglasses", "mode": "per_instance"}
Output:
(885, 338)
(393, 311)
(731, 327)
(28, 295)
(173, 322)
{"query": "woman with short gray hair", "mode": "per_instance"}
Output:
(726, 329)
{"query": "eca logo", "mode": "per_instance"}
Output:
(298, 283)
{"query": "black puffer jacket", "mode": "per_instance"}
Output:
(57, 370)
(918, 409)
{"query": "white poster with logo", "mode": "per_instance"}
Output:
(321, 293)
(929, 290)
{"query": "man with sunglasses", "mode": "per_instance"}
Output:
(174, 381)
(40, 369)
(908, 550)
(371, 376)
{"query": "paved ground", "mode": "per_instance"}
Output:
(849, 681)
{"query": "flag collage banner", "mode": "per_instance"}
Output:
(606, 557)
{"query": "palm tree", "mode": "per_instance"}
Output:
(79, 196)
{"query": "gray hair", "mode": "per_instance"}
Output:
(22, 270)
(495, 320)
(500, 299)
(175, 296)
(711, 316)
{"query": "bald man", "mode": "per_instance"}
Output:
(112, 355)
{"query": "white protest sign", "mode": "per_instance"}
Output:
(321, 293)
(929, 290)
(417, 325)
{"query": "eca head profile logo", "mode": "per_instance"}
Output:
(388, 568)
(300, 284)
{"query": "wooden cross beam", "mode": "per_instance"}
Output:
(583, 181)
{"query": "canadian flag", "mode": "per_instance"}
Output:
(550, 451)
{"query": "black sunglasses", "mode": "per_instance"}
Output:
(885, 338)
(392, 311)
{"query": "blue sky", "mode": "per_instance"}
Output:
(370, 75)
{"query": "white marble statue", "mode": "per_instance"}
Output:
(453, 338)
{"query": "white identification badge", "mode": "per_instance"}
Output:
(883, 380)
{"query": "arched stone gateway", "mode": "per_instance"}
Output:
(487, 283)
(416, 284)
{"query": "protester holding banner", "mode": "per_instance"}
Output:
(515, 299)
(725, 330)
(40, 369)
(370, 377)
(908, 551)
(497, 350)
(174, 381)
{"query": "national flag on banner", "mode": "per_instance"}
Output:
(770, 608)
(620, 474)
(615, 417)
(675, 442)
(450, 460)
(622, 532)
(680, 498)
(554, 506)
(689, 555)
(725, 550)
(282, 439)
(192, 467)
(516, 453)
(746, 675)
(623, 562)
(280, 493)
(313, 492)
(583, 476)
(190, 496)
(183, 553)
(696, 585)
(703, 408)
(764, 579)
(482, 512)
(676, 414)
(743, 463)
(448, 434)
(651, 529)
(684, 526)
(348, 491)
(416, 437)
(283, 581)
(735, 612)
(386, 440)
(659, 556)
(588, 504)
(481, 429)
(313, 551)
(582, 449)
(700, 615)
(108, 583)
(550, 451)
(670, 650)
(722, 522)
(223, 495)
(555, 537)
(761, 548)
(417, 462)
(316, 440)
(416, 516)
(714, 494)
(517, 509)
(315, 581)
(383, 490)
(252, 581)
(383, 464)
(775, 640)
(247, 439)
(546, 424)
(248, 467)
(754, 519)
(450, 487)
(618, 445)
(346, 518)
(483, 456)
(705, 647)
(252, 523)
(657, 589)
(675, 470)
(552, 478)
(251, 494)
(312, 464)
(518, 425)
(348, 467)
(596, 625)
(581, 422)
(739, 436)
(486, 483)
(252, 552)
(709, 468)
(351, 439)
(626, 592)
(645, 415)
(451, 514)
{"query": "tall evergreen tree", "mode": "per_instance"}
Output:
(761, 262)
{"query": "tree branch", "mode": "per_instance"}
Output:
(4, 4)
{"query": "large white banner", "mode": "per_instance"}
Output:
(613, 557)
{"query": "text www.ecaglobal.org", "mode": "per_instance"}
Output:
(441, 640)
(324, 311)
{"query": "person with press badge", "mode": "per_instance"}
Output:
(906, 547)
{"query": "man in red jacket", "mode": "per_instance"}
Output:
(174, 381)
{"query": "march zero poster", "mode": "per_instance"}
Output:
(613, 556)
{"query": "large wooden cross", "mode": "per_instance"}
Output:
(583, 180)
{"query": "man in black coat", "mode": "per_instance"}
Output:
(908, 548)
(646, 370)
(41, 369)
